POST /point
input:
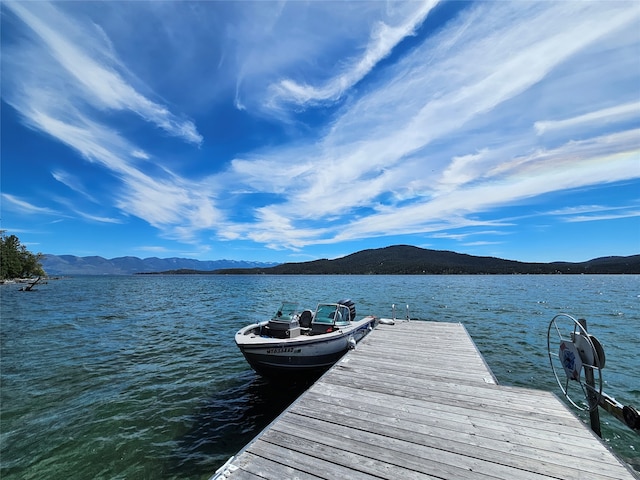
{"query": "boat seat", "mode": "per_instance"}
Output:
(305, 319)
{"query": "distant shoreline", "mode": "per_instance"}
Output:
(16, 281)
(393, 260)
(26, 281)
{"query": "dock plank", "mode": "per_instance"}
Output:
(259, 464)
(471, 431)
(440, 456)
(335, 456)
(452, 418)
(416, 400)
(511, 452)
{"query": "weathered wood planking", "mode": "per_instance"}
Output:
(416, 400)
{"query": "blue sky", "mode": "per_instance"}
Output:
(291, 131)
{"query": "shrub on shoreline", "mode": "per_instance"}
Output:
(16, 262)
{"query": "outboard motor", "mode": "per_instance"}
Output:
(352, 307)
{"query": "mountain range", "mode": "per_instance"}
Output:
(72, 265)
(397, 259)
(410, 260)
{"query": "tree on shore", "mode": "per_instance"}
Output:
(16, 261)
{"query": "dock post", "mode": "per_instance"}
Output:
(594, 413)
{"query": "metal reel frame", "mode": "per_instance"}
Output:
(592, 394)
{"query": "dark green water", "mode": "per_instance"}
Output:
(138, 377)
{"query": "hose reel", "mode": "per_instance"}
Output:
(577, 365)
(578, 353)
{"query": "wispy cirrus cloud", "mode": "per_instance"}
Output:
(383, 38)
(583, 209)
(70, 55)
(397, 160)
(160, 197)
(624, 112)
(594, 213)
(23, 206)
(88, 63)
(480, 243)
(73, 182)
(600, 217)
(372, 125)
(462, 236)
(293, 55)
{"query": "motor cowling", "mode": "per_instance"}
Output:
(352, 307)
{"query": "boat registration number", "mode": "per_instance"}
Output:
(283, 350)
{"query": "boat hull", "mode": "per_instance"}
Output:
(303, 354)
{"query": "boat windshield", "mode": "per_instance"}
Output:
(331, 314)
(287, 311)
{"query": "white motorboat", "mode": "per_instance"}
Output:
(301, 341)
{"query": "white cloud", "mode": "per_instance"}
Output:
(291, 55)
(481, 243)
(153, 249)
(463, 169)
(163, 199)
(140, 154)
(462, 236)
(611, 216)
(81, 64)
(618, 113)
(504, 103)
(73, 182)
(23, 206)
(398, 138)
(581, 209)
(86, 63)
(176, 206)
(95, 218)
(383, 38)
(593, 213)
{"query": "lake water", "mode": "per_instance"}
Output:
(138, 377)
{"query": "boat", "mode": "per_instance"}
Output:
(301, 341)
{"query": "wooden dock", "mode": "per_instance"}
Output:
(416, 400)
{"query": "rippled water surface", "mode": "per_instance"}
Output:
(139, 377)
